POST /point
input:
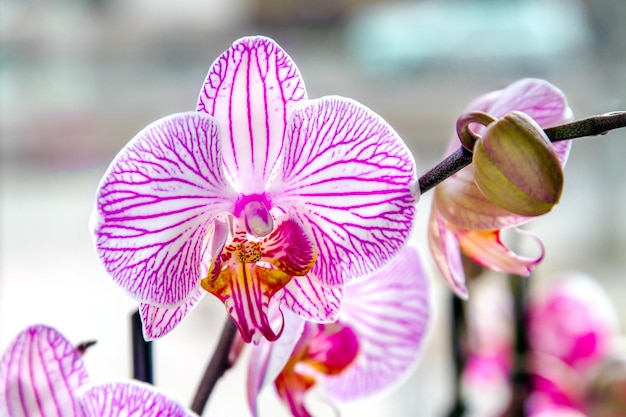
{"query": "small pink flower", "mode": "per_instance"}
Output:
(462, 218)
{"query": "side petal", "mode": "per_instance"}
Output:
(391, 314)
(159, 321)
(155, 205)
(541, 100)
(269, 358)
(39, 375)
(348, 175)
(486, 249)
(129, 399)
(446, 252)
(312, 301)
(252, 89)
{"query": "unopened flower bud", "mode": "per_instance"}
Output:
(516, 167)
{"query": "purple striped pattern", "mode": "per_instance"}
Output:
(39, 375)
(348, 175)
(129, 400)
(252, 89)
(289, 248)
(390, 313)
(159, 321)
(155, 205)
(312, 301)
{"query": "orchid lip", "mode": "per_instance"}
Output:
(248, 273)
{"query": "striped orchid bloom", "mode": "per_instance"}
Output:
(381, 330)
(260, 194)
(42, 375)
(463, 219)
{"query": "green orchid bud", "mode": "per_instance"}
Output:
(516, 167)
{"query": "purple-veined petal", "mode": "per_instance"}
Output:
(39, 375)
(347, 174)
(155, 207)
(129, 399)
(269, 358)
(446, 252)
(252, 89)
(312, 301)
(159, 321)
(390, 312)
(486, 249)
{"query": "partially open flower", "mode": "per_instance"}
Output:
(463, 218)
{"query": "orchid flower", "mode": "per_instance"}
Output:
(463, 219)
(43, 375)
(573, 329)
(260, 194)
(381, 330)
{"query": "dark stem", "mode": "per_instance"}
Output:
(458, 336)
(591, 126)
(520, 378)
(217, 366)
(143, 368)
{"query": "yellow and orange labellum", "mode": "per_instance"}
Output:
(248, 273)
(516, 166)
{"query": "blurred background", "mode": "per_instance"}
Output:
(79, 78)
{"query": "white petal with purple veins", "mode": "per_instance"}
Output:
(39, 375)
(155, 205)
(347, 175)
(312, 301)
(129, 399)
(159, 321)
(252, 90)
(390, 313)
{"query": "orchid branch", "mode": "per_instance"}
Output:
(143, 369)
(591, 126)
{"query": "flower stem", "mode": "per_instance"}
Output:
(520, 377)
(458, 336)
(591, 126)
(217, 366)
(143, 369)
